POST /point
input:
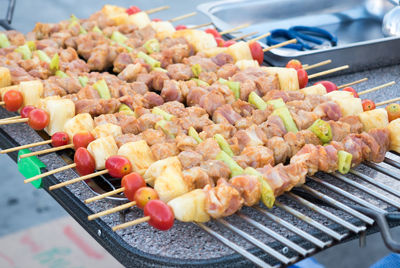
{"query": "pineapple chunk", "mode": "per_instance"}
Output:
(240, 51)
(159, 167)
(163, 29)
(244, 64)
(110, 10)
(79, 123)
(287, 77)
(32, 91)
(200, 40)
(214, 51)
(318, 89)
(3, 90)
(394, 129)
(339, 94)
(5, 77)
(60, 111)
(140, 19)
(107, 129)
(190, 207)
(377, 118)
(350, 106)
(139, 154)
(101, 149)
(119, 19)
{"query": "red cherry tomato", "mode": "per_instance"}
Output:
(156, 19)
(393, 111)
(161, 215)
(352, 90)
(214, 32)
(295, 64)
(133, 10)
(85, 163)
(257, 52)
(220, 41)
(59, 139)
(38, 119)
(132, 182)
(26, 110)
(328, 85)
(118, 166)
(180, 27)
(82, 139)
(144, 195)
(13, 100)
(303, 78)
(229, 43)
(368, 105)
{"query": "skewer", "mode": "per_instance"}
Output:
(322, 63)
(25, 147)
(131, 223)
(111, 210)
(259, 37)
(235, 29)
(387, 101)
(292, 41)
(99, 197)
(11, 118)
(51, 172)
(13, 121)
(183, 17)
(244, 36)
(89, 176)
(201, 25)
(353, 83)
(157, 9)
(328, 71)
(376, 88)
(46, 151)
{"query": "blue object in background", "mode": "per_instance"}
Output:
(307, 263)
(390, 261)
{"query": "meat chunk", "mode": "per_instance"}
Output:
(185, 143)
(209, 149)
(280, 148)
(339, 130)
(309, 157)
(216, 169)
(152, 99)
(225, 130)
(125, 138)
(171, 91)
(190, 159)
(197, 178)
(164, 150)
(158, 80)
(226, 114)
(227, 71)
(328, 110)
(382, 137)
(153, 136)
(222, 59)
(256, 157)
(96, 107)
(273, 127)
(354, 121)
(179, 71)
(248, 187)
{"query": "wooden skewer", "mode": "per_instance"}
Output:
(11, 118)
(51, 172)
(259, 37)
(182, 17)
(201, 25)
(322, 63)
(65, 183)
(13, 121)
(292, 41)
(353, 83)
(25, 147)
(99, 197)
(111, 210)
(235, 29)
(387, 101)
(46, 151)
(131, 223)
(244, 36)
(376, 88)
(328, 71)
(157, 9)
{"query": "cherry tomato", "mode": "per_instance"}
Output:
(257, 52)
(220, 41)
(303, 78)
(132, 182)
(26, 110)
(133, 10)
(352, 90)
(180, 27)
(59, 139)
(156, 19)
(38, 119)
(161, 215)
(118, 166)
(13, 100)
(214, 32)
(144, 195)
(229, 43)
(295, 64)
(329, 86)
(368, 105)
(85, 163)
(393, 111)
(82, 139)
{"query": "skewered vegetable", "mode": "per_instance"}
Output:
(79, 123)
(107, 129)
(344, 162)
(38, 119)
(394, 129)
(102, 149)
(13, 100)
(82, 139)
(118, 166)
(161, 215)
(288, 79)
(393, 111)
(85, 163)
(139, 154)
(102, 89)
(144, 195)
(26, 110)
(329, 86)
(295, 64)
(302, 76)
(377, 118)
(322, 130)
(5, 77)
(351, 90)
(190, 207)
(368, 105)
(59, 139)
(59, 111)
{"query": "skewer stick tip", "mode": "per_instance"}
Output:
(131, 223)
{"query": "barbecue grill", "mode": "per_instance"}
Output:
(327, 210)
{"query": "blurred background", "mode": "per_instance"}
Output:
(23, 208)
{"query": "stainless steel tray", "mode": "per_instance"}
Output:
(356, 23)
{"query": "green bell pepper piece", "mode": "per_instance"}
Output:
(223, 144)
(162, 125)
(233, 86)
(167, 116)
(234, 167)
(24, 51)
(126, 110)
(159, 69)
(267, 195)
(43, 56)
(61, 74)
(55, 63)
(322, 130)
(344, 161)
(257, 101)
(152, 46)
(196, 70)
(102, 88)
(200, 83)
(193, 133)
(4, 41)
(149, 60)
(83, 80)
(277, 103)
(118, 37)
(97, 30)
(31, 45)
(284, 114)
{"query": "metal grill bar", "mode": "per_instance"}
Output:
(310, 221)
(392, 162)
(257, 243)
(275, 235)
(339, 205)
(346, 194)
(233, 246)
(326, 213)
(376, 183)
(294, 229)
(390, 173)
